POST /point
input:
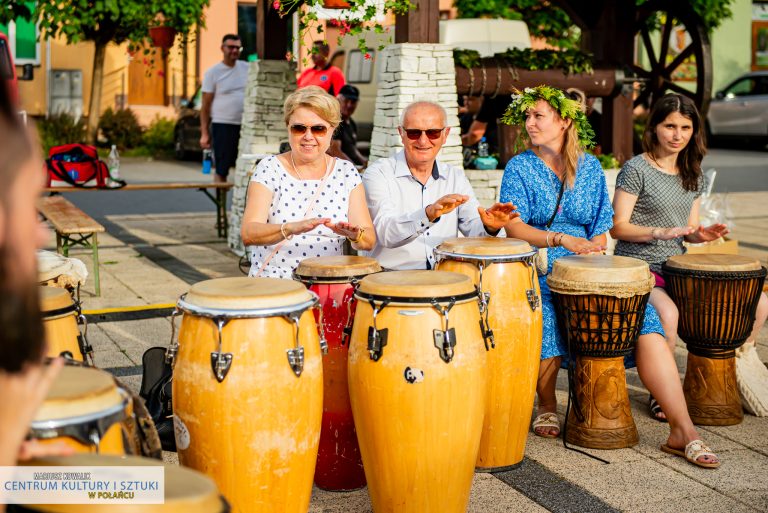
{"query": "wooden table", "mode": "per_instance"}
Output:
(219, 198)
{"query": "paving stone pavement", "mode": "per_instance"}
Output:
(152, 259)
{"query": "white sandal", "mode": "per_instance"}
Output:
(546, 421)
(692, 452)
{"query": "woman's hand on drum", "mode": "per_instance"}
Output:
(305, 225)
(580, 245)
(496, 217)
(671, 233)
(709, 233)
(350, 231)
(22, 392)
(445, 205)
(34, 449)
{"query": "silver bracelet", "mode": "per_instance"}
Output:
(548, 234)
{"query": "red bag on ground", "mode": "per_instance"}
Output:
(78, 165)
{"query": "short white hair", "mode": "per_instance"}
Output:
(423, 103)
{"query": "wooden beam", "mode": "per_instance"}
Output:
(617, 125)
(485, 80)
(419, 25)
(272, 36)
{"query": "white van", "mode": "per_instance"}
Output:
(487, 36)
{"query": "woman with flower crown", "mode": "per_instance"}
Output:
(561, 196)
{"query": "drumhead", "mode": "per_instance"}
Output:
(713, 262)
(608, 275)
(78, 392)
(55, 301)
(245, 293)
(416, 284)
(342, 267)
(467, 247)
(186, 490)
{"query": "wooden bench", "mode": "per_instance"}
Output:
(73, 228)
(219, 198)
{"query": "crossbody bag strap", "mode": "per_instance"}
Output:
(307, 213)
(557, 205)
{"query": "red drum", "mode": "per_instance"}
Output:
(339, 465)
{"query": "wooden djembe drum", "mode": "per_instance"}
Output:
(600, 306)
(716, 296)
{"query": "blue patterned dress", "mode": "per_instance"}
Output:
(585, 211)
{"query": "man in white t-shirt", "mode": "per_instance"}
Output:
(222, 108)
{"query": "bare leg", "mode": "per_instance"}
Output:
(658, 372)
(760, 316)
(545, 389)
(668, 314)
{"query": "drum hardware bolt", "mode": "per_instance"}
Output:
(220, 362)
(295, 355)
(321, 331)
(445, 340)
(94, 438)
(377, 338)
(533, 299)
(485, 328)
(82, 340)
(173, 347)
(346, 332)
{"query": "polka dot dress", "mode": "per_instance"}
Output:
(290, 201)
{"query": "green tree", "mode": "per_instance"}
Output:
(103, 22)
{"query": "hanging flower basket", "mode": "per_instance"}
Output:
(335, 4)
(162, 37)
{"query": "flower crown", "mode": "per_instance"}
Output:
(566, 107)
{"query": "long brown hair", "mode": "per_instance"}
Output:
(689, 159)
(21, 329)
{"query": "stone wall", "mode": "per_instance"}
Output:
(486, 184)
(412, 72)
(263, 128)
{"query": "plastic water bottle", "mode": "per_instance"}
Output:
(207, 159)
(113, 163)
(482, 148)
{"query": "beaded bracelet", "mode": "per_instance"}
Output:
(282, 232)
(559, 239)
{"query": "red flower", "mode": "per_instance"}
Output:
(276, 4)
(367, 56)
(160, 73)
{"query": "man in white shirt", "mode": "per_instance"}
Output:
(417, 202)
(223, 97)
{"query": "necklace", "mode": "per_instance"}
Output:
(296, 169)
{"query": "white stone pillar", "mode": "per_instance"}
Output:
(262, 130)
(411, 72)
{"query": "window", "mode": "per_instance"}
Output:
(246, 29)
(23, 37)
(360, 69)
(744, 87)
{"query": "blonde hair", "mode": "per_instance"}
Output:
(571, 153)
(315, 99)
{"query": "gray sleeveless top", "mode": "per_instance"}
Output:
(661, 202)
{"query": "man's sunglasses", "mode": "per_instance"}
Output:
(233, 47)
(414, 133)
(320, 130)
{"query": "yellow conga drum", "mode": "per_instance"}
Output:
(186, 491)
(504, 271)
(600, 305)
(417, 387)
(84, 409)
(248, 390)
(717, 297)
(60, 314)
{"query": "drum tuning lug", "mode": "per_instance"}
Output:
(346, 334)
(377, 339)
(323, 345)
(220, 364)
(533, 299)
(445, 341)
(489, 340)
(296, 359)
(170, 354)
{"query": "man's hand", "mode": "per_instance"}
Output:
(496, 217)
(205, 141)
(444, 205)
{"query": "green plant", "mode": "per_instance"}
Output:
(608, 161)
(570, 61)
(158, 137)
(120, 127)
(60, 129)
(360, 17)
(711, 12)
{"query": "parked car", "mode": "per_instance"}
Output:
(186, 134)
(741, 109)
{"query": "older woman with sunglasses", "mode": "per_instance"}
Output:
(305, 203)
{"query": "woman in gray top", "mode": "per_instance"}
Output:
(656, 203)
